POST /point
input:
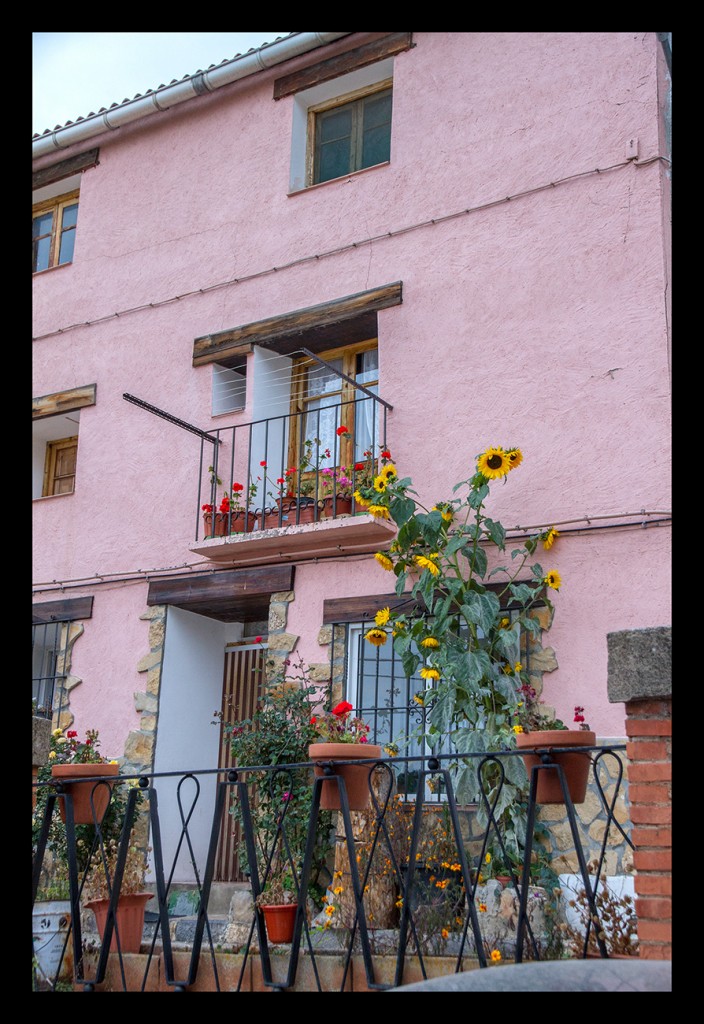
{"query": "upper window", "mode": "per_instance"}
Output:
(54, 231)
(55, 429)
(349, 136)
(341, 126)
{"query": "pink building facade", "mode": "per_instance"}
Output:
(497, 274)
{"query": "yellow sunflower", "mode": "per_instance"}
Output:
(553, 579)
(493, 463)
(360, 499)
(380, 511)
(389, 472)
(429, 673)
(430, 641)
(515, 457)
(549, 538)
(378, 637)
(379, 484)
(426, 563)
(384, 561)
(382, 616)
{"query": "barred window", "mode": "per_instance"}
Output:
(49, 650)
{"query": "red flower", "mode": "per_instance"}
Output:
(358, 467)
(263, 463)
(207, 508)
(71, 733)
(237, 487)
(280, 480)
(313, 720)
(290, 470)
(343, 709)
(257, 639)
(341, 430)
(386, 454)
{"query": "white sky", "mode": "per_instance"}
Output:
(74, 73)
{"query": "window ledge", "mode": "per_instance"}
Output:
(345, 535)
(343, 177)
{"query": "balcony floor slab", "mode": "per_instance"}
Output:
(345, 535)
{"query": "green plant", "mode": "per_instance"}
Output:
(466, 645)
(67, 749)
(279, 733)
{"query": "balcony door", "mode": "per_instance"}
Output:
(243, 681)
(324, 401)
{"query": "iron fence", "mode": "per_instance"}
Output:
(417, 894)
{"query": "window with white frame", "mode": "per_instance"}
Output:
(342, 126)
(55, 440)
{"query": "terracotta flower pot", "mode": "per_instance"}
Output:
(215, 524)
(575, 765)
(356, 776)
(129, 920)
(70, 774)
(280, 919)
(340, 507)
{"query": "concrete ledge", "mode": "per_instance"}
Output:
(601, 975)
(639, 664)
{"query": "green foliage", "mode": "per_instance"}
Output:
(469, 638)
(279, 733)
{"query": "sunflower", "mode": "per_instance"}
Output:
(380, 484)
(384, 561)
(419, 698)
(430, 641)
(382, 616)
(515, 457)
(549, 538)
(377, 637)
(493, 463)
(426, 563)
(380, 511)
(361, 501)
(429, 673)
(389, 472)
(553, 579)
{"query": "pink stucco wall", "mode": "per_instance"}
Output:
(538, 322)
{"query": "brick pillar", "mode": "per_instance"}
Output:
(640, 675)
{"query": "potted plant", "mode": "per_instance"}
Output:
(231, 516)
(73, 760)
(278, 900)
(537, 732)
(132, 899)
(336, 488)
(280, 732)
(341, 737)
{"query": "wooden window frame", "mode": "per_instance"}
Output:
(348, 354)
(56, 207)
(348, 99)
(50, 476)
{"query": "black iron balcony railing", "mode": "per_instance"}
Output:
(291, 469)
(391, 848)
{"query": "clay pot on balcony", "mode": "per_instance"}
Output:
(574, 765)
(356, 776)
(88, 796)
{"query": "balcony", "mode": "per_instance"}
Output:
(284, 487)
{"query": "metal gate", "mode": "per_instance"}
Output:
(244, 680)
